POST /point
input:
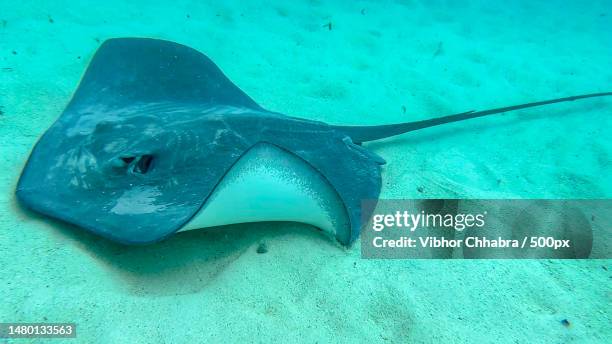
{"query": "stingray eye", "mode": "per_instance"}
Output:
(139, 164)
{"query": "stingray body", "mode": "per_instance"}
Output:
(154, 128)
(156, 140)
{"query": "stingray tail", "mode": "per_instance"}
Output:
(361, 134)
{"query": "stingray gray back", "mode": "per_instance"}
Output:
(150, 132)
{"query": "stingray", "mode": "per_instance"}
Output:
(156, 140)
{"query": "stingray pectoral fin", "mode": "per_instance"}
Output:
(125, 71)
(370, 133)
(270, 184)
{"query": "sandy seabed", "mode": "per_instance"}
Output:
(343, 62)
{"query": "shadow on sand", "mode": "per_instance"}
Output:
(186, 262)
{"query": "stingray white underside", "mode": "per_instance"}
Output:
(270, 184)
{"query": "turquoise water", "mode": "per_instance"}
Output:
(365, 62)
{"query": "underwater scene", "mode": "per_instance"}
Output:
(394, 171)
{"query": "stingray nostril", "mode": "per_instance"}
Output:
(143, 164)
